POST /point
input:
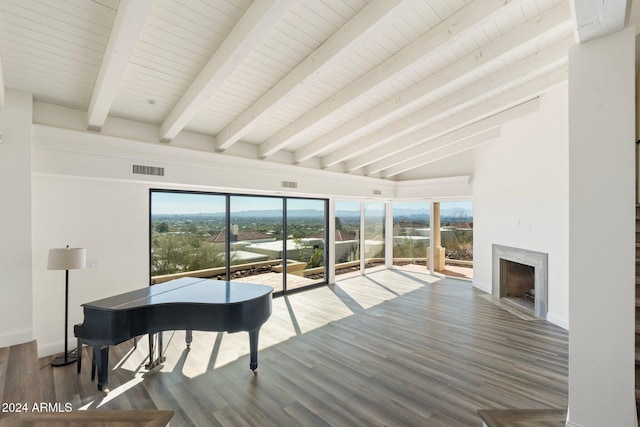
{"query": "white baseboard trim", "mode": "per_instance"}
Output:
(56, 347)
(20, 336)
(481, 286)
(559, 321)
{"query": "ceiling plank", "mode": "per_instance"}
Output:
(484, 125)
(460, 22)
(241, 40)
(546, 59)
(444, 152)
(597, 18)
(122, 41)
(339, 45)
(556, 17)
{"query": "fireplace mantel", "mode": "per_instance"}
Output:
(538, 260)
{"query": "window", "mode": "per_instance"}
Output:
(456, 236)
(347, 240)
(187, 233)
(240, 237)
(374, 235)
(411, 233)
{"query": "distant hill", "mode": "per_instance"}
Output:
(455, 212)
(410, 213)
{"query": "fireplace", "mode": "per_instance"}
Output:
(521, 274)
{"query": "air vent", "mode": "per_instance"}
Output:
(148, 170)
(289, 184)
(377, 192)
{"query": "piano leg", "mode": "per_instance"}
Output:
(188, 338)
(79, 353)
(253, 349)
(151, 352)
(102, 362)
(153, 361)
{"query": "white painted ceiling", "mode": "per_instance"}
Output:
(378, 88)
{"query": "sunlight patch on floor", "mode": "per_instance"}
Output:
(388, 284)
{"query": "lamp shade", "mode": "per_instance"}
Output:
(67, 258)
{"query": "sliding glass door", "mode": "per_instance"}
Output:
(374, 235)
(256, 239)
(187, 234)
(347, 237)
(278, 241)
(306, 236)
(411, 234)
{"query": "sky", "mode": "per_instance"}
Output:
(194, 203)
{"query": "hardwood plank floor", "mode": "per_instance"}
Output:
(392, 348)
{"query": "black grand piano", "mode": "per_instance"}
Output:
(182, 304)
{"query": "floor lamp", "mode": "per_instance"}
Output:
(66, 259)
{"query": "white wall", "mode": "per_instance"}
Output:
(109, 219)
(520, 188)
(602, 263)
(85, 195)
(15, 220)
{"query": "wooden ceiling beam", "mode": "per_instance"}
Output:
(244, 36)
(478, 113)
(550, 21)
(452, 138)
(597, 18)
(125, 32)
(342, 43)
(454, 26)
(378, 159)
(537, 63)
(444, 152)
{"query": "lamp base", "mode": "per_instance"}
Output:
(63, 361)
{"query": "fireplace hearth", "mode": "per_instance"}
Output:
(520, 276)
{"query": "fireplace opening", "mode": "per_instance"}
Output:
(517, 283)
(520, 275)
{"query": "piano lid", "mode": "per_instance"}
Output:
(184, 290)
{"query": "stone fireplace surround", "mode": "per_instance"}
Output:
(538, 260)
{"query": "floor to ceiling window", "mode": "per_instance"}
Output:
(238, 237)
(187, 233)
(374, 235)
(306, 237)
(411, 237)
(256, 238)
(456, 237)
(347, 239)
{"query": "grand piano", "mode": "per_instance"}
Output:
(182, 304)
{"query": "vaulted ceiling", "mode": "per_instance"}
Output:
(376, 88)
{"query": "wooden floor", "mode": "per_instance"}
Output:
(392, 348)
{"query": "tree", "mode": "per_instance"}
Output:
(162, 227)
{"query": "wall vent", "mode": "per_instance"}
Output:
(377, 192)
(289, 184)
(148, 170)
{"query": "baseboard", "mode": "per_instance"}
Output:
(56, 347)
(481, 286)
(558, 321)
(8, 339)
